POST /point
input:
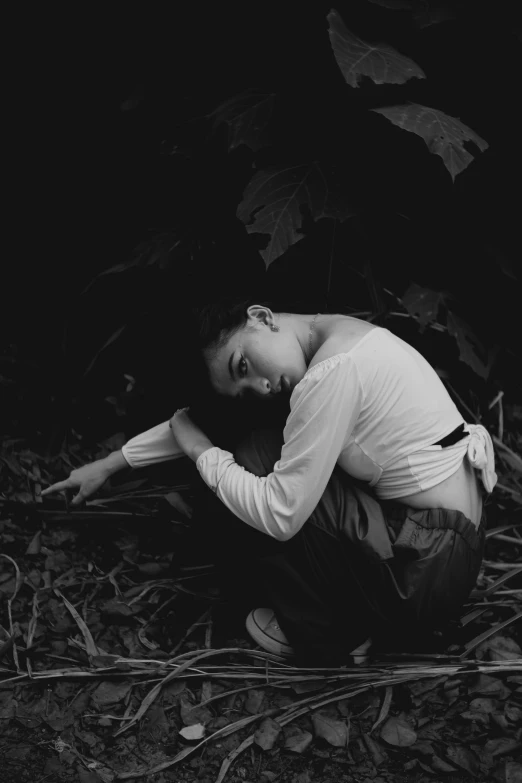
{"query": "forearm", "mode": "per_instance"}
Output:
(199, 447)
(260, 501)
(148, 448)
(115, 462)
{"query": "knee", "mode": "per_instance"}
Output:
(259, 451)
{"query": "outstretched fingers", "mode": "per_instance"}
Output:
(58, 487)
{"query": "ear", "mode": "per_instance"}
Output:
(257, 314)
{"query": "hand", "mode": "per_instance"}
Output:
(189, 437)
(87, 479)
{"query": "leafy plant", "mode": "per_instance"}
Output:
(286, 180)
(291, 190)
(275, 199)
(444, 136)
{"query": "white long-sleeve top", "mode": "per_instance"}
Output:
(376, 411)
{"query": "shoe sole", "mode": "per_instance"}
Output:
(265, 641)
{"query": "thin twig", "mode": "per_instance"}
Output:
(516, 493)
(162, 606)
(509, 539)
(12, 630)
(501, 528)
(516, 458)
(500, 566)
(470, 646)
(288, 717)
(225, 731)
(201, 621)
(91, 648)
(496, 584)
(383, 714)
(31, 631)
(208, 631)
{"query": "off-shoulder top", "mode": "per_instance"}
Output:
(376, 411)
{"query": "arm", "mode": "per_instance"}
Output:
(155, 445)
(89, 478)
(325, 408)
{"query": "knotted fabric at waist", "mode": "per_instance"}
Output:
(481, 455)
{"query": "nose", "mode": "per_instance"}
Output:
(260, 387)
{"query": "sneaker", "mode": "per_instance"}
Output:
(264, 629)
(359, 654)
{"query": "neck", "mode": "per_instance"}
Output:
(300, 326)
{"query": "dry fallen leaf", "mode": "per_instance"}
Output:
(194, 732)
(479, 710)
(35, 544)
(439, 765)
(489, 686)
(512, 772)
(398, 732)
(191, 714)
(254, 701)
(501, 648)
(332, 730)
(267, 734)
(110, 693)
(464, 758)
(297, 740)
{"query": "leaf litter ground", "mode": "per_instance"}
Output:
(123, 658)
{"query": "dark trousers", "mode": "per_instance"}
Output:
(357, 568)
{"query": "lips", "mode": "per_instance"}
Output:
(283, 386)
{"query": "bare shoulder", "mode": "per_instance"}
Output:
(339, 334)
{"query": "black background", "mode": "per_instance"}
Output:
(110, 144)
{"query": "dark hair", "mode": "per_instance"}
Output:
(218, 321)
(225, 419)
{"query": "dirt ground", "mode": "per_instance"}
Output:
(101, 608)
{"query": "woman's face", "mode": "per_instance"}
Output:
(258, 361)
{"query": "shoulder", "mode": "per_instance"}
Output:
(341, 335)
(367, 355)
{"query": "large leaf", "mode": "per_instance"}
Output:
(357, 58)
(275, 199)
(247, 116)
(179, 246)
(470, 349)
(444, 135)
(422, 304)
